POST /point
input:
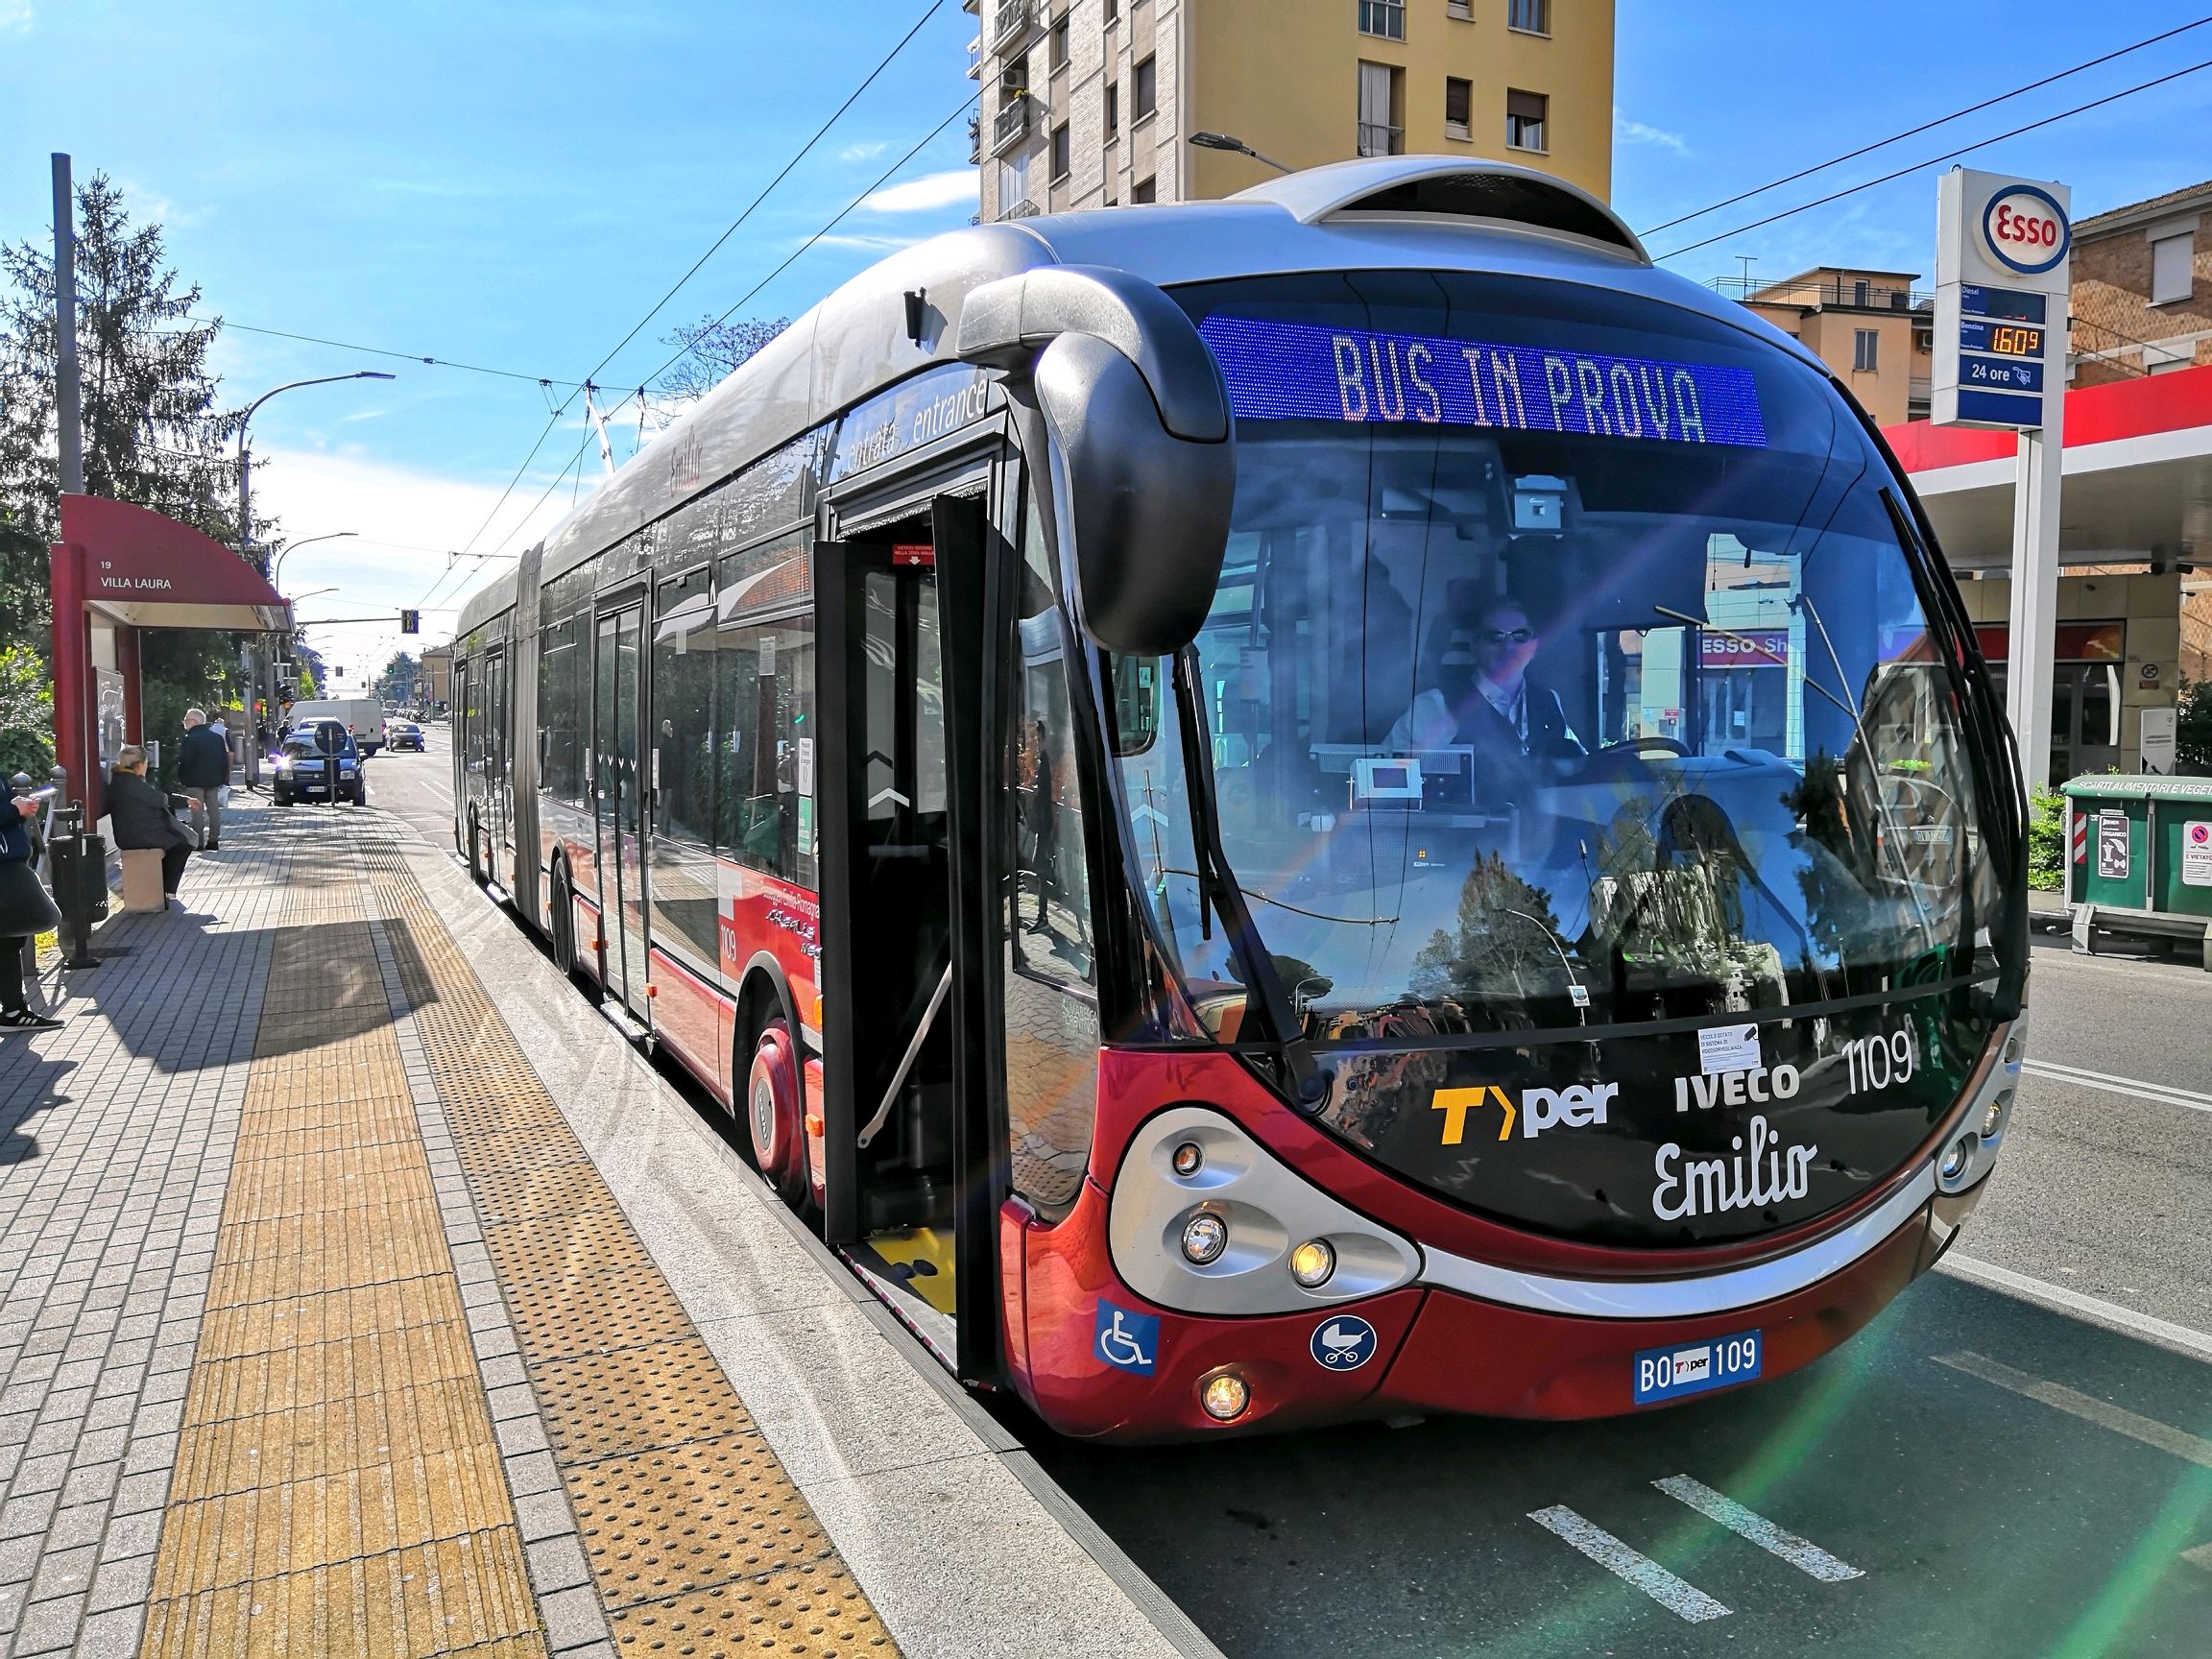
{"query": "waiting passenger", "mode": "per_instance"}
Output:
(1485, 701)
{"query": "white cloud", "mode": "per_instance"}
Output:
(928, 193)
(15, 15)
(1627, 131)
(862, 152)
(398, 515)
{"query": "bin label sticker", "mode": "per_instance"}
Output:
(2112, 846)
(2197, 855)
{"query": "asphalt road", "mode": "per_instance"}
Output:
(2016, 1459)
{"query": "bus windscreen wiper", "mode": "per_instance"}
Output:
(1218, 886)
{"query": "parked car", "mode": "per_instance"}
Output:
(402, 735)
(303, 758)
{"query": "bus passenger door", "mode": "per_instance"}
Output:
(619, 792)
(495, 797)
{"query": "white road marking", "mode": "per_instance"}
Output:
(1679, 1597)
(2057, 1395)
(2196, 1344)
(2132, 1088)
(1801, 1553)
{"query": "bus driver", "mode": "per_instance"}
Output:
(1485, 701)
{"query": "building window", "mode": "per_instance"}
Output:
(1462, 10)
(1858, 292)
(1144, 89)
(2171, 275)
(1458, 107)
(1113, 112)
(1526, 113)
(1113, 12)
(1864, 347)
(1061, 151)
(1384, 17)
(1142, 191)
(1057, 51)
(1380, 134)
(1529, 16)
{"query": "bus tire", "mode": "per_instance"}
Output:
(778, 1138)
(475, 850)
(564, 922)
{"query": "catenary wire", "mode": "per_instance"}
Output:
(386, 352)
(1933, 161)
(1924, 126)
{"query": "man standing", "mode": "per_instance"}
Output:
(204, 770)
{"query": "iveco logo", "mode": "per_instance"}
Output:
(1577, 1106)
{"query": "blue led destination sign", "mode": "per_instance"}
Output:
(1296, 372)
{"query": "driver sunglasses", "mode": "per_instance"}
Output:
(1508, 636)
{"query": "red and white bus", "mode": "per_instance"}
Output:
(1343, 802)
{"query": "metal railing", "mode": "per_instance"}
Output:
(1011, 123)
(1377, 139)
(1021, 209)
(976, 139)
(1852, 291)
(1010, 21)
(975, 59)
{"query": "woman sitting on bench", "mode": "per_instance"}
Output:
(142, 820)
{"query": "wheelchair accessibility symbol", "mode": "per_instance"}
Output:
(1126, 1342)
(1343, 1343)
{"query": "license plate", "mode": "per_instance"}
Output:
(1693, 1367)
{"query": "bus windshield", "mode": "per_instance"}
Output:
(1567, 668)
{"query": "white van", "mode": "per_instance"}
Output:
(363, 716)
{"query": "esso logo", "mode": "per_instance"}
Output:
(2025, 229)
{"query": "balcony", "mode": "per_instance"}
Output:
(1011, 125)
(976, 139)
(975, 57)
(1021, 209)
(1850, 294)
(1011, 21)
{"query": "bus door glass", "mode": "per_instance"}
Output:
(619, 792)
(495, 725)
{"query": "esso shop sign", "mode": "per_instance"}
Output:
(2025, 229)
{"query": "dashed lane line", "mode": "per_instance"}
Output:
(1679, 1597)
(2181, 1338)
(2090, 1410)
(1801, 1553)
(2131, 1088)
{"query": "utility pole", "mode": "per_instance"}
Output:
(68, 398)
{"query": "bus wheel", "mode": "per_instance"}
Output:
(772, 1114)
(475, 851)
(564, 923)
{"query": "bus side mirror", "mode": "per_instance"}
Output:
(1143, 448)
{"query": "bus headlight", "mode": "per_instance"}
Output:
(1205, 1235)
(1225, 1397)
(1993, 1120)
(1312, 1264)
(1957, 1158)
(1188, 1159)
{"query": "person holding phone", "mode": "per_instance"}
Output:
(25, 912)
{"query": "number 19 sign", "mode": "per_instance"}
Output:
(2002, 278)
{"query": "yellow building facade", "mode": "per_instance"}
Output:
(1092, 103)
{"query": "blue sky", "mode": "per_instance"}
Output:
(512, 185)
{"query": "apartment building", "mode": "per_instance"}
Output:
(2143, 288)
(1093, 102)
(1872, 328)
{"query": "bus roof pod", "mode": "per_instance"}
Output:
(1496, 194)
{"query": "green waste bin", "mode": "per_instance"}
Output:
(2140, 859)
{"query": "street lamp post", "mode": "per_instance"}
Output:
(246, 528)
(1234, 146)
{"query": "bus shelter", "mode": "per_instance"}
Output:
(118, 571)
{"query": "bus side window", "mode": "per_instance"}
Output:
(1052, 1015)
(763, 743)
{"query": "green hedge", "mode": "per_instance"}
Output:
(2046, 841)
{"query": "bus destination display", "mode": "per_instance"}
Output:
(1296, 372)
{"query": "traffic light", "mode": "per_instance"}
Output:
(410, 621)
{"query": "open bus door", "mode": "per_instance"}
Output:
(908, 1099)
(619, 786)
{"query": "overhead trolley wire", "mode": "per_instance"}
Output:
(385, 351)
(589, 378)
(1924, 126)
(1934, 160)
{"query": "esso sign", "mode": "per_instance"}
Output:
(2025, 229)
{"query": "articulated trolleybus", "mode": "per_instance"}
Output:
(1338, 802)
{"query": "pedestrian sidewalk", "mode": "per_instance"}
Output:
(364, 1294)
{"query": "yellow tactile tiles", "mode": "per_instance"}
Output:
(338, 1487)
(697, 1541)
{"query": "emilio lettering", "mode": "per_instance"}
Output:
(1764, 1173)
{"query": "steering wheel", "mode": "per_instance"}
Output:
(1646, 744)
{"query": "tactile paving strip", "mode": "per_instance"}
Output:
(697, 1541)
(338, 1488)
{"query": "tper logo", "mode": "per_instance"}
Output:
(1577, 1106)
